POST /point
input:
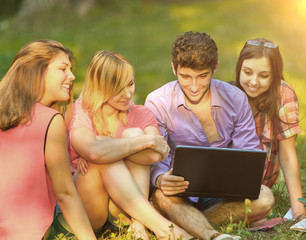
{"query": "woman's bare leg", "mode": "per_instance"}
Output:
(124, 191)
(141, 175)
(94, 196)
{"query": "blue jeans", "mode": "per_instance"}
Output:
(205, 203)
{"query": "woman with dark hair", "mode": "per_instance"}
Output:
(34, 165)
(259, 72)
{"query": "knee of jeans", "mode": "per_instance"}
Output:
(132, 132)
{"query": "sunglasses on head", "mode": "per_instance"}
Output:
(261, 43)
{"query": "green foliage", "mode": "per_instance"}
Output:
(123, 233)
(241, 227)
(9, 8)
(143, 31)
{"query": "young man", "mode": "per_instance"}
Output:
(199, 110)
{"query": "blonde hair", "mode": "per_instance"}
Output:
(107, 74)
(24, 83)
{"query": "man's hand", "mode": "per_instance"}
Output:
(171, 184)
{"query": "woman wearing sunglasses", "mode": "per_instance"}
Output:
(259, 72)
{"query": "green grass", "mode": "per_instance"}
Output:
(143, 32)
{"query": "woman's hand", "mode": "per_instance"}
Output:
(82, 166)
(160, 145)
(171, 184)
(299, 211)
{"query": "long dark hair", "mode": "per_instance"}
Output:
(266, 102)
(23, 85)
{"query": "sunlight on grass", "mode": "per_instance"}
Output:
(186, 11)
(186, 15)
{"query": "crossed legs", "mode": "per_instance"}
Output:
(223, 211)
(197, 223)
(114, 181)
(180, 211)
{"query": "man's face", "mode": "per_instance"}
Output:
(194, 83)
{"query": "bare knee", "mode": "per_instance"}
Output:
(266, 198)
(265, 202)
(132, 132)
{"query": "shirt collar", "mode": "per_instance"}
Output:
(214, 94)
(180, 99)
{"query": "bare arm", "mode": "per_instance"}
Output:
(65, 192)
(150, 156)
(108, 150)
(290, 167)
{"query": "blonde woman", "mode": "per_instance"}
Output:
(34, 165)
(119, 141)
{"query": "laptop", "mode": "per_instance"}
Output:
(220, 172)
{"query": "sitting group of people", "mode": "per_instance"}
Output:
(83, 163)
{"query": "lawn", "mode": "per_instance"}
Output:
(143, 32)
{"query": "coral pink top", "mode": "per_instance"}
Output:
(26, 196)
(138, 116)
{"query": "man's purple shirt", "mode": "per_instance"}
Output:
(230, 111)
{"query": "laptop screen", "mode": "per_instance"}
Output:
(220, 172)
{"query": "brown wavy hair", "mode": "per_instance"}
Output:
(267, 102)
(194, 50)
(24, 83)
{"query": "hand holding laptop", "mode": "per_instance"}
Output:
(171, 184)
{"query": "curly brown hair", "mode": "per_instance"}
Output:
(194, 50)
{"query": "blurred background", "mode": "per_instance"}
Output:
(144, 30)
